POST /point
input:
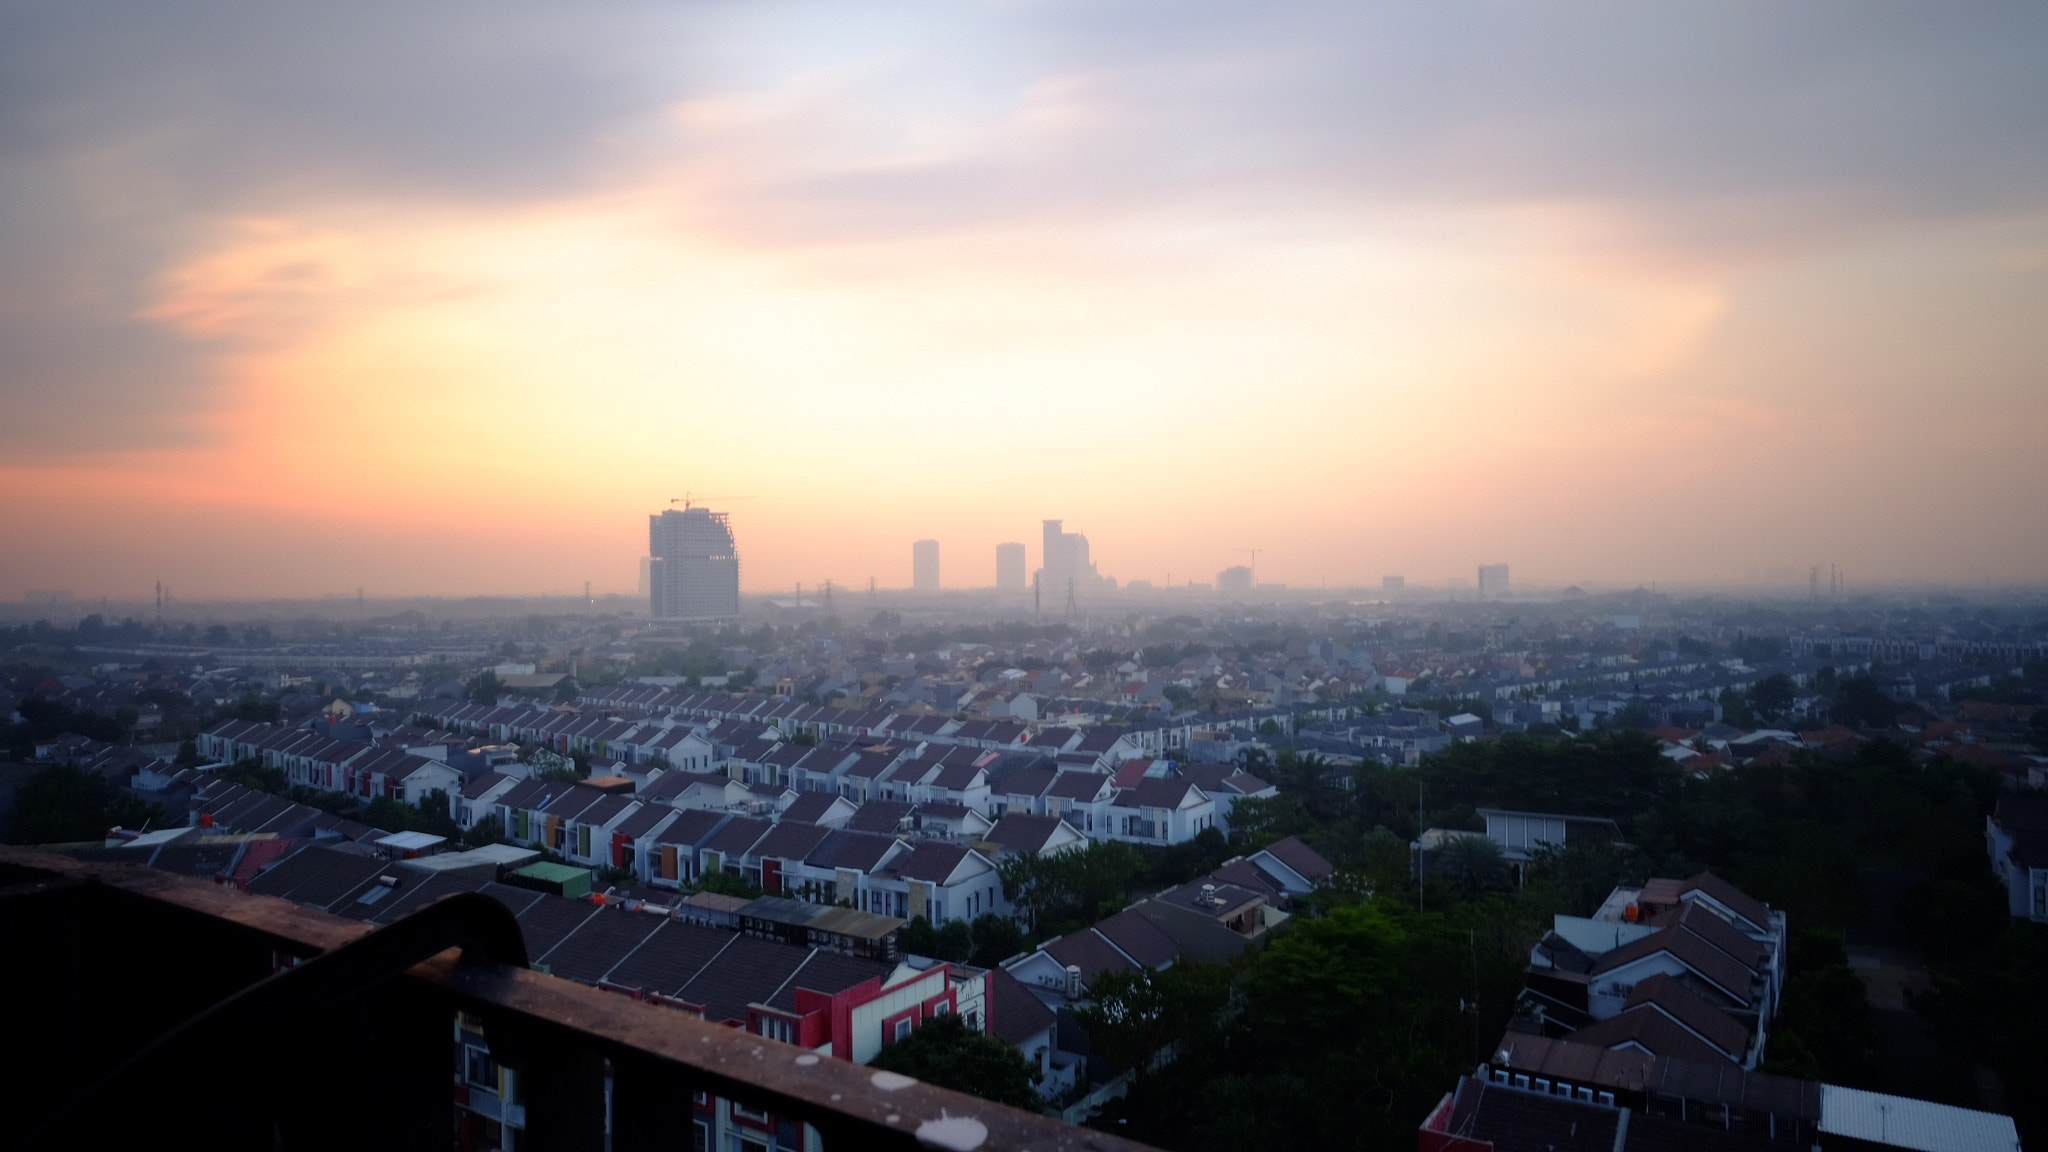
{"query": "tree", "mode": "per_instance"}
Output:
(1472, 862)
(489, 830)
(996, 939)
(954, 942)
(62, 805)
(1067, 890)
(942, 1051)
(430, 815)
(1772, 696)
(727, 884)
(486, 687)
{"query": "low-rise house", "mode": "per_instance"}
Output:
(2016, 836)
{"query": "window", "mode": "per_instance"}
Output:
(1521, 1080)
(1607, 1098)
(941, 1008)
(478, 1067)
(1586, 1094)
(903, 1027)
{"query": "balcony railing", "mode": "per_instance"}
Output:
(147, 1007)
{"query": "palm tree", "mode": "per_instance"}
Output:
(1472, 862)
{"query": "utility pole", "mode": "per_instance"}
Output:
(1421, 849)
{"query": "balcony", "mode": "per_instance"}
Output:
(147, 1006)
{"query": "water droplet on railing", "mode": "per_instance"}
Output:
(891, 1081)
(954, 1133)
(807, 1059)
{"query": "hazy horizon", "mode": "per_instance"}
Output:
(446, 301)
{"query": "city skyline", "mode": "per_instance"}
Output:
(1368, 292)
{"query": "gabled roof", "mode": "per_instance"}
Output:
(859, 851)
(1090, 951)
(809, 808)
(1023, 832)
(1304, 860)
(1152, 792)
(933, 860)
(1713, 966)
(1661, 992)
(787, 841)
(738, 837)
(1654, 1032)
(1729, 896)
(692, 827)
(1014, 1014)
(597, 945)
(1081, 786)
(880, 816)
(1140, 939)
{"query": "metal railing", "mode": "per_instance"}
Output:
(145, 1005)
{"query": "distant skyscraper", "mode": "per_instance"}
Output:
(1234, 579)
(1065, 564)
(693, 572)
(924, 566)
(1493, 581)
(1010, 567)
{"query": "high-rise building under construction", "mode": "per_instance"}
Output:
(694, 570)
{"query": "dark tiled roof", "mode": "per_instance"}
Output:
(1153, 792)
(691, 827)
(1305, 861)
(546, 922)
(884, 816)
(790, 841)
(1742, 903)
(932, 860)
(599, 943)
(411, 898)
(748, 971)
(1140, 939)
(1089, 951)
(1014, 1014)
(860, 851)
(671, 957)
(736, 838)
(1711, 964)
(830, 973)
(809, 808)
(1654, 1031)
(1023, 832)
(1512, 1120)
(1692, 1010)
(316, 876)
(1078, 785)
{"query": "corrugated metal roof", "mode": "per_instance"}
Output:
(1904, 1122)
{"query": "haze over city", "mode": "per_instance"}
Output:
(444, 301)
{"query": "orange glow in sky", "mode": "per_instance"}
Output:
(785, 289)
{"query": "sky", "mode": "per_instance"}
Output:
(447, 298)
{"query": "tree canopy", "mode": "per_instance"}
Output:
(944, 1052)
